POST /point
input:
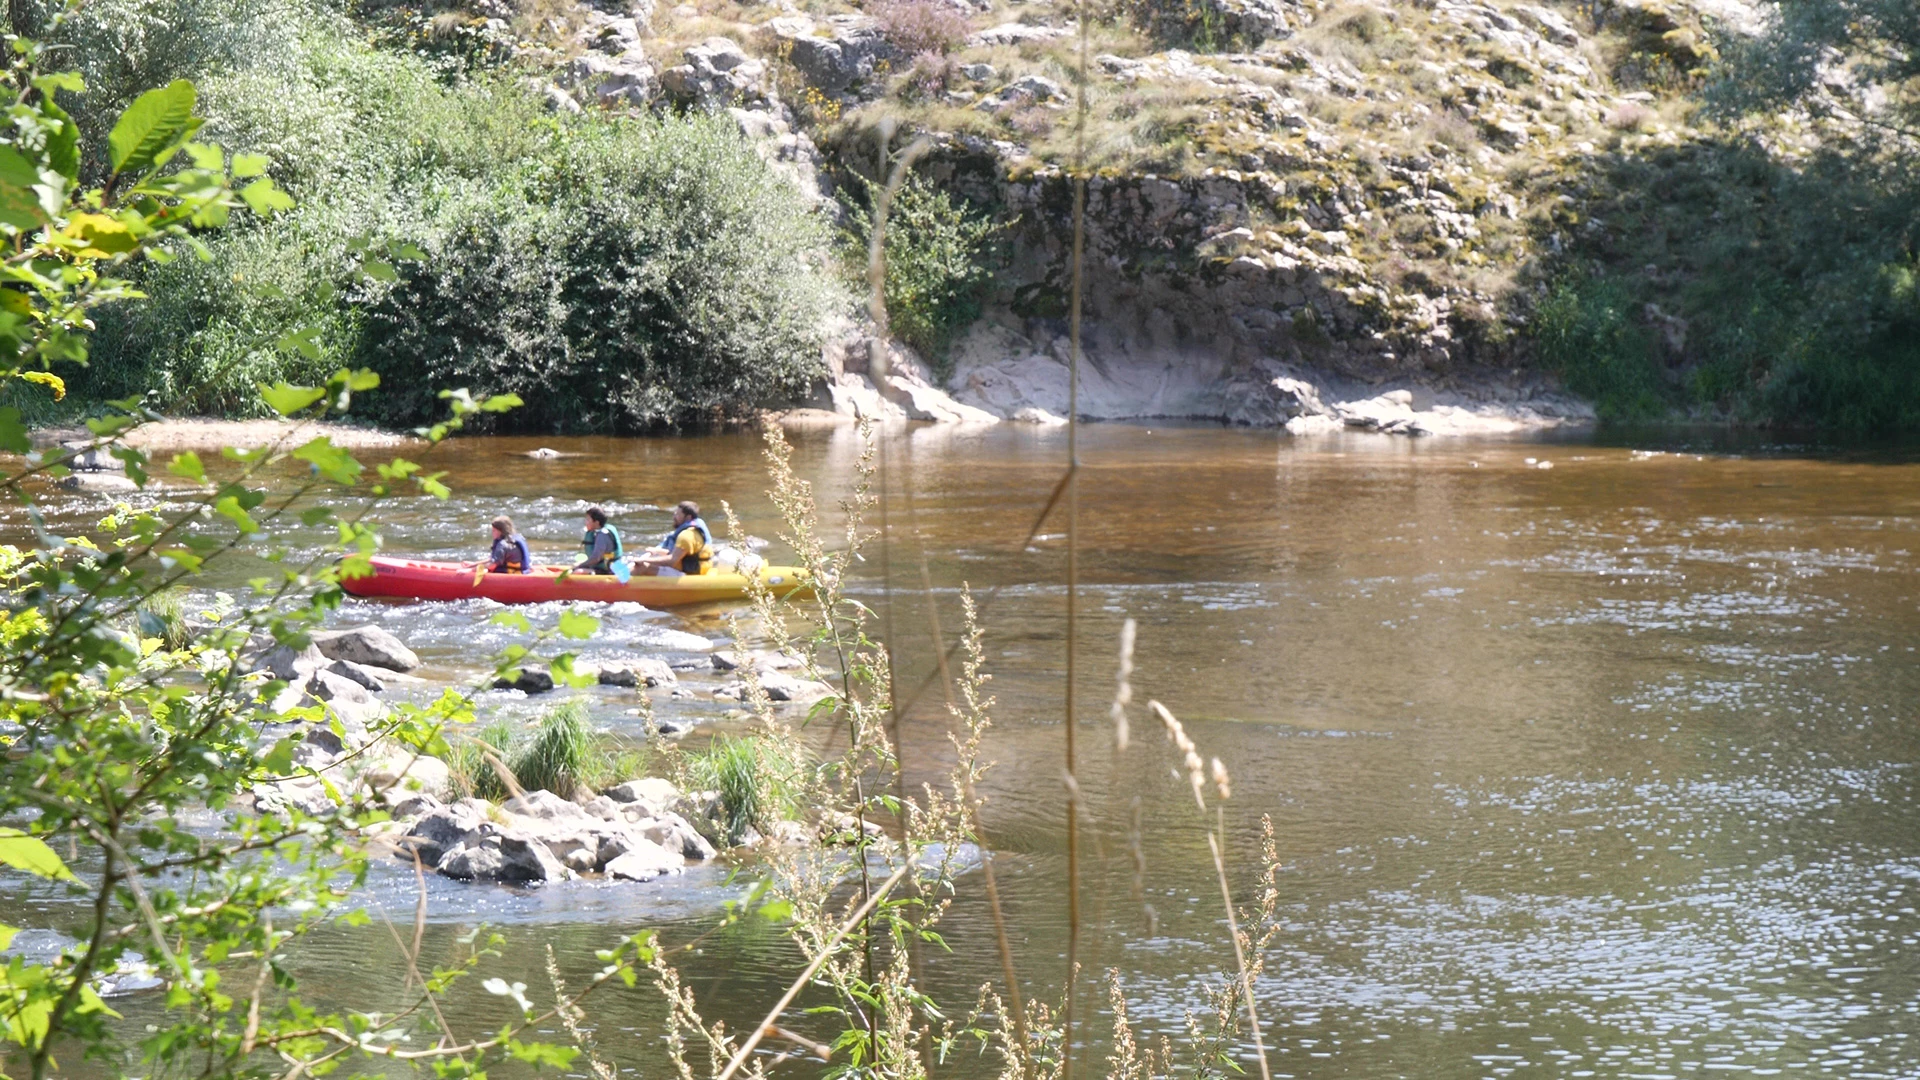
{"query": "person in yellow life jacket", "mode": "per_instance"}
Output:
(510, 553)
(686, 549)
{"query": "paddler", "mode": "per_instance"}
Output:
(510, 552)
(601, 545)
(686, 549)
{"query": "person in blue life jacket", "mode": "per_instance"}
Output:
(510, 552)
(600, 546)
(686, 549)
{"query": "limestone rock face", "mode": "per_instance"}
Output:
(367, 645)
(832, 55)
(717, 73)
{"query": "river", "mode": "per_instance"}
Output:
(1582, 759)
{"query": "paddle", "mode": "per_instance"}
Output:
(621, 571)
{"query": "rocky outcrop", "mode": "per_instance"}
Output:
(833, 55)
(368, 645)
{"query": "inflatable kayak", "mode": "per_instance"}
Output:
(420, 580)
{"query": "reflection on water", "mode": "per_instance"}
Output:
(1605, 769)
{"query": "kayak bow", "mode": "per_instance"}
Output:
(419, 579)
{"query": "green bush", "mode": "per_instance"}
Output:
(752, 778)
(940, 258)
(616, 273)
(1586, 331)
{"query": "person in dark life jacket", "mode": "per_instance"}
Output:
(686, 549)
(600, 546)
(510, 552)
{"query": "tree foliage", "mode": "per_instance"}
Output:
(940, 259)
(1858, 59)
(616, 273)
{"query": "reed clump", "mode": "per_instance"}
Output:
(561, 753)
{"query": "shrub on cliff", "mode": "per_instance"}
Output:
(940, 258)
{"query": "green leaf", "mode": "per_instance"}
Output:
(577, 625)
(305, 341)
(13, 431)
(287, 400)
(378, 271)
(6, 935)
(329, 460)
(187, 466)
(30, 853)
(265, 198)
(19, 203)
(154, 124)
(501, 403)
(512, 620)
(245, 165)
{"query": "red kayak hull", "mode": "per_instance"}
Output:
(418, 579)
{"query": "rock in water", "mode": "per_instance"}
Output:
(655, 793)
(526, 680)
(368, 645)
(97, 481)
(643, 671)
(440, 831)
(675, 833)
(546, 806)
(289, 664)
(359, 673)
(646, 861)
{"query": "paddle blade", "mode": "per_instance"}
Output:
(621, 571)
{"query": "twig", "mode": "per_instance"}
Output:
(786, 999)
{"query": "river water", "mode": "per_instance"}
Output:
(1582, 759)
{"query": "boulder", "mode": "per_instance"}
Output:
(526, 680)
(289, 664)
(442, 830)
(641, 671)
(303, 793)
(476, 862)
(603, 808)
(626, 80)
(328, 687)
(101, 482)
(781, 686)
(832, 56)
(644, 862)
(675, 833)
(1014, 33)
(368, 645)
(546, 806)
(655, 793)
(399, 773)
(504, 856)
(405, 806)
(717, 74)
(359, 673)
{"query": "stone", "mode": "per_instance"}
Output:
(441, 830)
(641, 671)
(477, 862)
(396, 774)
(408, 805)
(602, 807)
(978, 72)
(627, 80)
(655, 793)
(833, 56)
(328, 687)
(544, 805)
(1014, 33)
(675, 833)
(305, 794)
(368, 645)
(645, 862)
(83, 455)
(1033, 414)
(289, 664)
(1024, 90)
(359, 673)
(101, 482)
(783, 687)
(717, 74)
(526, 680)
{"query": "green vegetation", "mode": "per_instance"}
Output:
(616, 273)
(940, 258)
(559, 753)
(753, 776)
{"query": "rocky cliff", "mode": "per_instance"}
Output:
(1294, 208)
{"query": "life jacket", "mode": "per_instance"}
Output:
(695, 562)
(586, 544)
(519, 558)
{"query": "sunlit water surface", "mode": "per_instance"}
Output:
(1602, 769)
